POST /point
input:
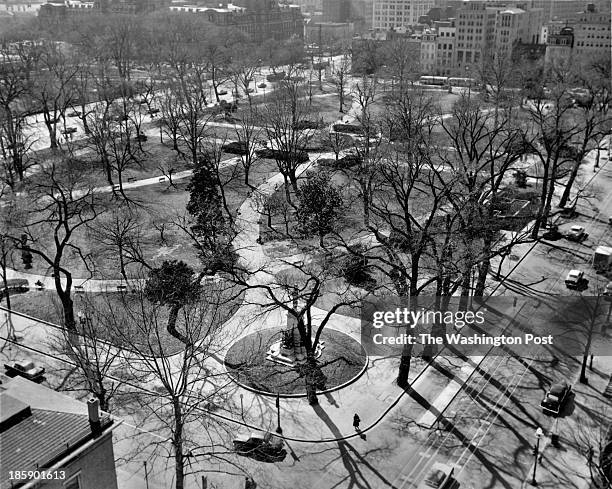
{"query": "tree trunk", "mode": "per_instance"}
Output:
(404, 367)
(313, 377)
(171, 327)
(542, 207)
(247, 168)
(583, 377)
(366, 207)
(568, 186)
(179, 457)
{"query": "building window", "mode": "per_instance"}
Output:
(74, 482)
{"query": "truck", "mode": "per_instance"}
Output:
(602, 259)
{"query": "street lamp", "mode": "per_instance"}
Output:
(467, 75)
(538, 434)
(279, 430)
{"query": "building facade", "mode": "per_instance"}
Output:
(428, 51)
(336, 10)
(592, 33)
(445, 47)
(390, 14)
(475, 32)
(260, 20)
(515, 25)
(560, 47)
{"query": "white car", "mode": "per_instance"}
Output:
(576, 233)
(573, 278)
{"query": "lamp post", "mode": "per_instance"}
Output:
(279, 430)
(538, 434)
(467, 75)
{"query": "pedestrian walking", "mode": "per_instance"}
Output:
(356, 421)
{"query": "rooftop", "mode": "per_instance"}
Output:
(39, 426)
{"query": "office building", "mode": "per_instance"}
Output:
(390, 14)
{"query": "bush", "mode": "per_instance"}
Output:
(355, 270)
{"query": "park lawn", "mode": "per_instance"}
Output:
(156, 207)
(45, 305)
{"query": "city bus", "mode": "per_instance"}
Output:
(462, 82)
(434, 80)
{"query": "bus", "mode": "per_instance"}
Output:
(434, 80)
(462, 82)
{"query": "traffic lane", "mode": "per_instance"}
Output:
(544, 269)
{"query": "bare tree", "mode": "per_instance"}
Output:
(52, 88)
(15, 143)
(120, 234)
(181, 374)
(281, 119)
(341, 76)
(249, 135)
(95, 365)
(60, 203)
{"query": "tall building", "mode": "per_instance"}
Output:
(362, 9)
(43, 431)
(428, 51)
(563, 10)
(390, 14)
(475, 32)
(445, 47)
(336, 10)
(592, 33)
(494, 26)
(515, 25)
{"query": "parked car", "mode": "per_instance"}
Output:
(25, 368)
(576, 233)
(608, 290)
(552, 234)
(556, 397)
(141, 137)
(439, 477)
(235, 147)
(305, 124)
(74, 113)
(262, 85)
(574, 278)
(261, 446)
(274, 154)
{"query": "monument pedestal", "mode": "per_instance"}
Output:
(277, 353)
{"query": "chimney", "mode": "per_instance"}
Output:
(93, 409)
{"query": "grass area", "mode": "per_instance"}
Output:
(342, 359)
(153, 208)
(118, 317)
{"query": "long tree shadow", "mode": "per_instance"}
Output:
(351, 461)
(450, 427)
